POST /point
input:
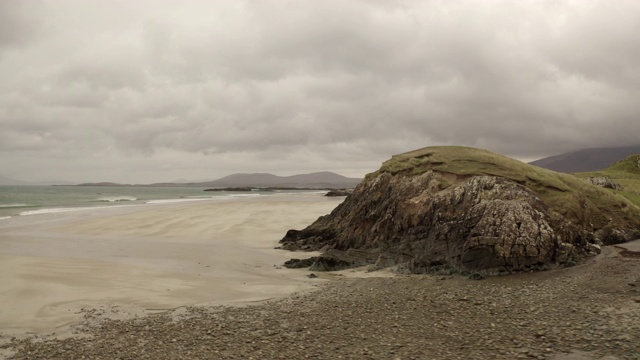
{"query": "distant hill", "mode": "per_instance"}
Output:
(587, 159)
(323, 180)
(8, 181)
(103, 184)
(314, 180)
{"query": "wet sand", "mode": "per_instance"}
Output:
(141, 259)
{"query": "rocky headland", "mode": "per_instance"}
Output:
(470, 210)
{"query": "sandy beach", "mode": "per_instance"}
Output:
(587, 312)
(134, 260)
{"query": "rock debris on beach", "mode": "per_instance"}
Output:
(589, 311)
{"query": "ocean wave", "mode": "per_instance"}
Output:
(5, 217)
(186, 199)
(313, 192)
(53, 210)
(201, 198)
(116, 198)
(13, 205)
(244, 195)
(67, 209)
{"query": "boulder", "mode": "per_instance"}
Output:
(604, 182)
(339, 192)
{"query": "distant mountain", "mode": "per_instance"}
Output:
(314, 180)
(8, 181)
(587, 159)
(49, 183)
(103, 184)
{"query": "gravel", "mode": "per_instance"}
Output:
(591, 311)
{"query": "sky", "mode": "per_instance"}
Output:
(142, 91)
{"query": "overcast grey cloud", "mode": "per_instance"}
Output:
(144, 91)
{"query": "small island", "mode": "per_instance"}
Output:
(236, 189)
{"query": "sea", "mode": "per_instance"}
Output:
(35, 200)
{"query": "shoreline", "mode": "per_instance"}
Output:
(163, 256)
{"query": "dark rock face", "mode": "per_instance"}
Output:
(338, 260)
(423, 221)
(300, 263)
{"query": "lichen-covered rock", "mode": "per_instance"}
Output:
(604, 182)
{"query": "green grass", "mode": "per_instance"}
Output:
(626, 173)
(566, 194)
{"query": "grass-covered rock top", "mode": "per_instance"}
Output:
(566, 194)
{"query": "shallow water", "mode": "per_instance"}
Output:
(33, 200)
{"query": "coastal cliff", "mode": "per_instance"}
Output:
(467, 209)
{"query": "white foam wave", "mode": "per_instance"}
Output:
(244, 195)
(5, 217)
(116, 198)
(69, 209)
(12, 205)
(319, 192)
(52, 210)
(189, 199)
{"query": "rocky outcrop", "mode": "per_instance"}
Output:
(433, 219)
(300, 263)
(604, 182)
(339, 192)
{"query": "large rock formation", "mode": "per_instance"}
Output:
(467, 209)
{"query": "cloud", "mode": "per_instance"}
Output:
(228, 86)
(20, 23)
